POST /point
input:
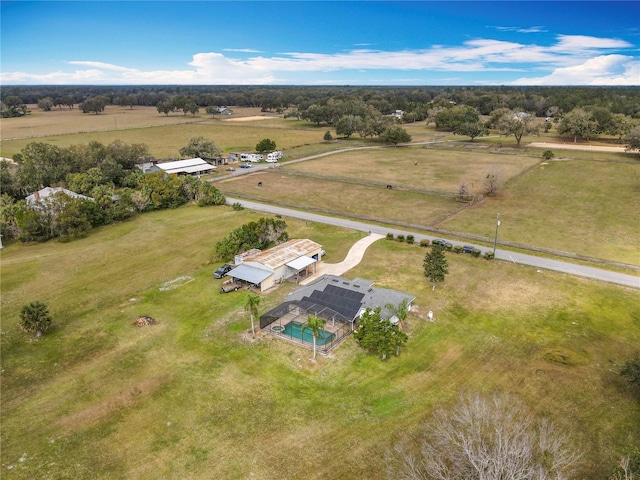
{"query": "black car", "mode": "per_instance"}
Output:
(442, 243)
(468, 249)
(223, 270)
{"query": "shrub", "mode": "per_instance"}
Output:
(548, 155)
(411, 239)
(457, 249)
(424, 243)
(400, 238)
(389, 236)
(237, 206)
(476, 252)
(449, 247)
(489, 255)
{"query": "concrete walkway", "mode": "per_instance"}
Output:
(353, 258)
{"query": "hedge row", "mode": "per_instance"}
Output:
(425, 243)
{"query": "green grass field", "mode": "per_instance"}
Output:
(194, 397)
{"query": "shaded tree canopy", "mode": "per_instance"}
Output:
(265, 145)
(199, 147)
(378, 335)
(262, 234)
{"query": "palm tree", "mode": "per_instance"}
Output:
(401, 310)
(35, 317)
(314, 324)
(251, 306)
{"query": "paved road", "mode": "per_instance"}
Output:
(519, 258)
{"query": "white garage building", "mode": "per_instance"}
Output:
(266, 269)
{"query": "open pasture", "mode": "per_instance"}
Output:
(339, 197)
(164, 135)
(584, 207)
(435, 169)
(64, 121)
(99, 398)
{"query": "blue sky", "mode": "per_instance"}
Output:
(320, 43)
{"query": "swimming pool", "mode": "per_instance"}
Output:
(294, 329)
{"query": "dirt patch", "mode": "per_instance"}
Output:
(143, 321)
(176, 283)
(577, 146)
(247, 119)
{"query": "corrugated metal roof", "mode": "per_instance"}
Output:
(192, 169)
(189, 162)
(249, 274)
(285, 252)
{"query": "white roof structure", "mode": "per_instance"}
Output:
(300, 263)
(189, 166)
(250, 274)
(284, 253)
(46, 192)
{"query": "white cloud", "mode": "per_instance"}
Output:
(103, 66)
(575, 60)
(601, 70)
(535, 29)
(242, 50)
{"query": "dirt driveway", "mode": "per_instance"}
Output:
(576, 146)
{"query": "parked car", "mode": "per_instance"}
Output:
(442, 243)
(223, 270)
(245, 165)
(468, 249)
(231, 169)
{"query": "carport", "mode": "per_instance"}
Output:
(250, 274)
(300, 264)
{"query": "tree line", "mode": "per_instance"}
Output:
(107, 174)
(386, 99)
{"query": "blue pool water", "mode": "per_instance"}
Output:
(294, 329)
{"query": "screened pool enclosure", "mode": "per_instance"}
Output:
(288, 319)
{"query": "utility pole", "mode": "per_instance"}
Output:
(495, 240)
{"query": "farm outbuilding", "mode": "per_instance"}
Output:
(336, 300)
(190, 166)
(293, 259)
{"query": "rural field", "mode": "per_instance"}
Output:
(194, 396)
(581, 202)
(97, 397)
(164, 135)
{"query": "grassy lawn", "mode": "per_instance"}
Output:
(99, 398)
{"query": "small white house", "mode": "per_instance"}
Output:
(44, 194)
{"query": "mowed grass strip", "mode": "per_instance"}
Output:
(584, 207)
(99, 398)
(420, 167)
(340, 197)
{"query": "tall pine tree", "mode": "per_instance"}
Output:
(435, 265)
